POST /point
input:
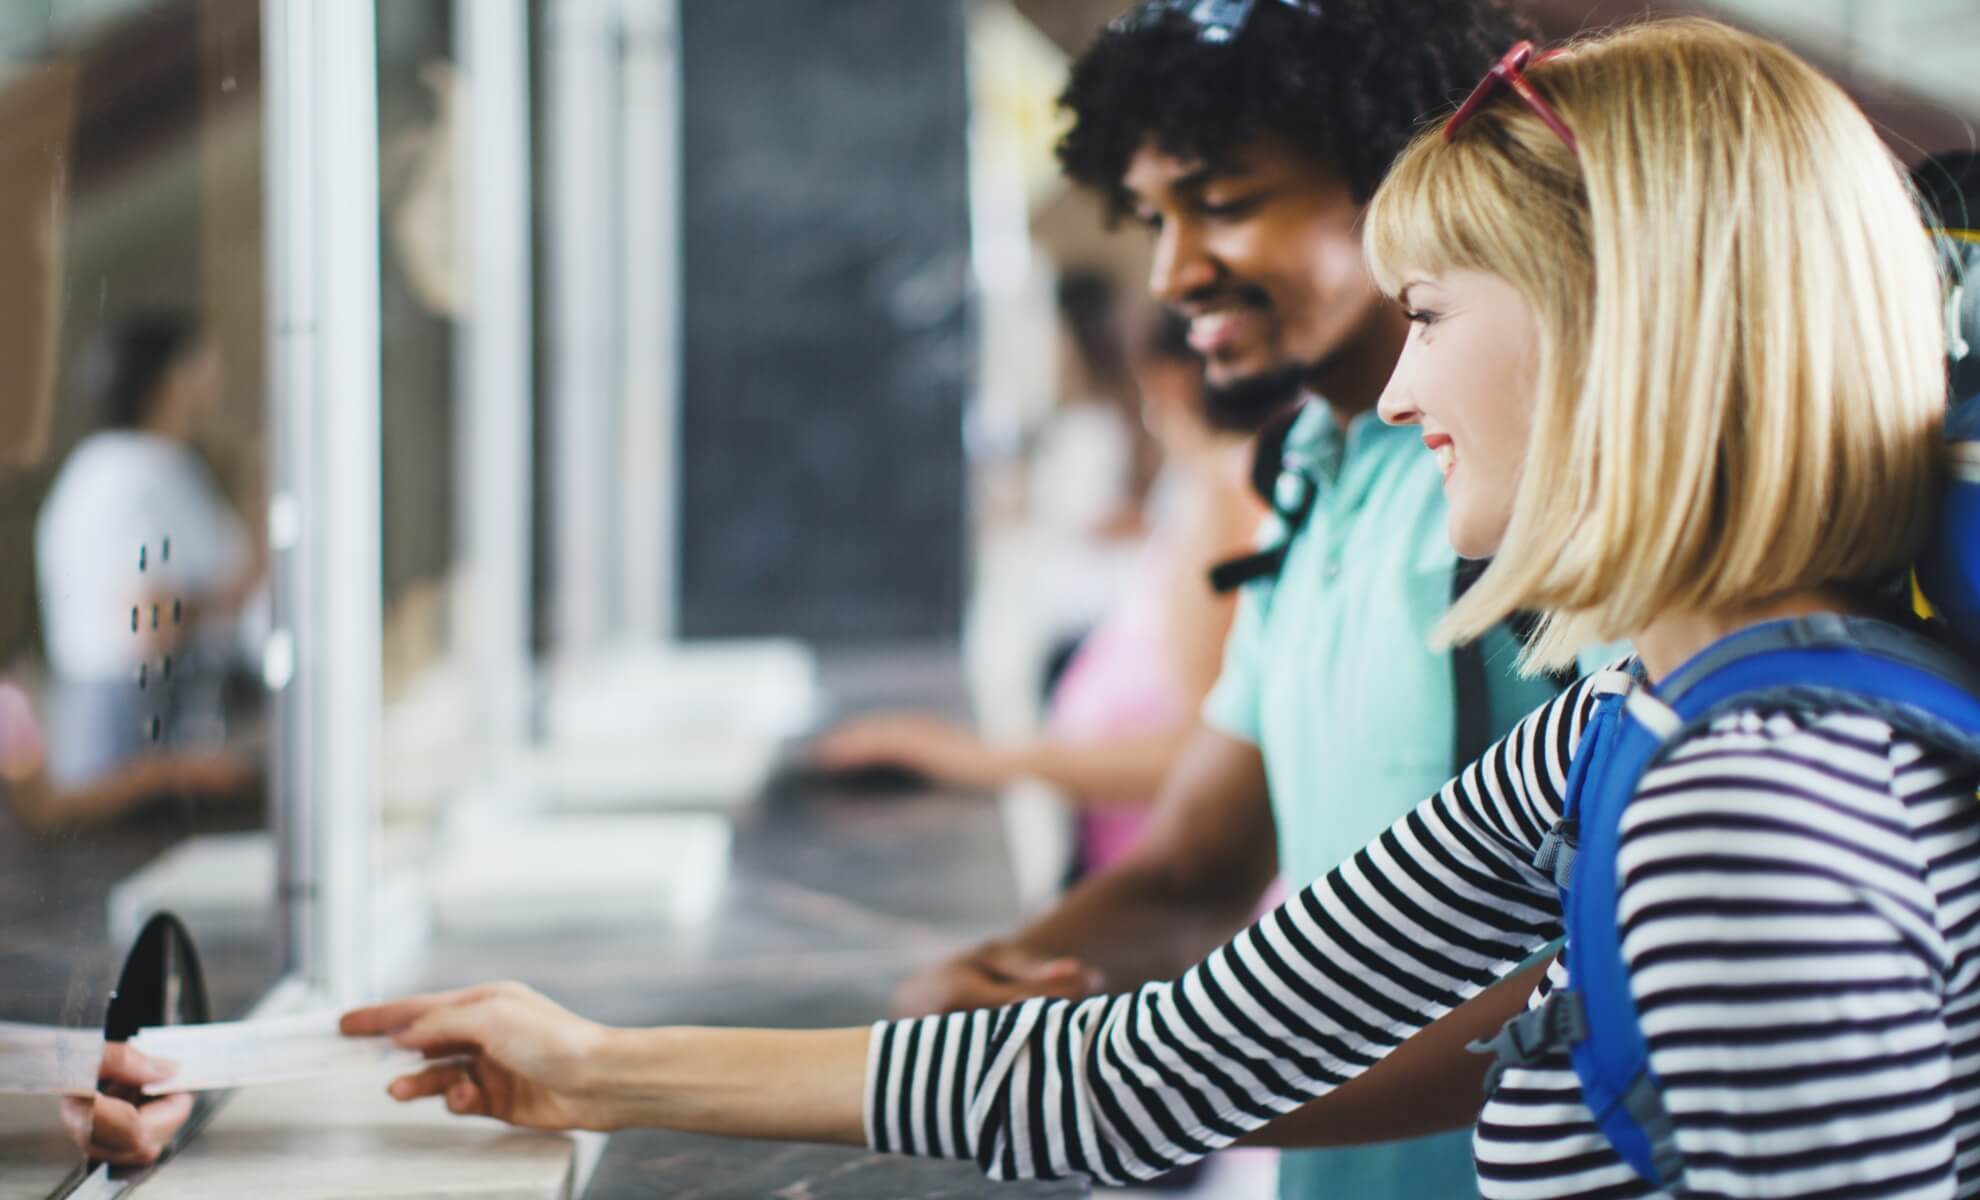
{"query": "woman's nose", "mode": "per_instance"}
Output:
(1395, 407)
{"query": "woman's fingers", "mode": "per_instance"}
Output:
(433, 1081)
(390, 1017)
(467, 1098)
(463, 1093)
(451, 1028)
(394, 1015)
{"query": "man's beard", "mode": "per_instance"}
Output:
(1250, 404)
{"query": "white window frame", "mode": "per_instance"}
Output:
(613, 90)
(320, 63)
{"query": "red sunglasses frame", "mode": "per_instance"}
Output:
(1509, 72)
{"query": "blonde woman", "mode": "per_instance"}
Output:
(1677, 347)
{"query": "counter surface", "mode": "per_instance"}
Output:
(834, 895)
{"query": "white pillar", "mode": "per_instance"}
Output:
(583, 346)
(322, 156)
(494, 363)
(649, 450)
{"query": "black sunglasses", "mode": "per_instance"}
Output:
(1216, 21)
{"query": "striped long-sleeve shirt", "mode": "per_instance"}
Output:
(1800, 898)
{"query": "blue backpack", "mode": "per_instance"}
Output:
(1899, 674)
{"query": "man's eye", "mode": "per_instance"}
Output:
(1148, 220)
(1229, 209)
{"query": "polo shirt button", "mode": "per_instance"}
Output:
(1288, 491)
(1334, 570)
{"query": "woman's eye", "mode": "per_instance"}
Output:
(1420, 316)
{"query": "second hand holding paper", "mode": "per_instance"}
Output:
(231, 1054)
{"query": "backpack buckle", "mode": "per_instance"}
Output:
(1530, 1037)
(1556, 854)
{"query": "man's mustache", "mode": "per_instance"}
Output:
(1223, 296)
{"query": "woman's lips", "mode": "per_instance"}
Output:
(1444, 449)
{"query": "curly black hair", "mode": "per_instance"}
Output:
(1352, 81)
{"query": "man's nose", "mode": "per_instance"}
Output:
(1181, 265)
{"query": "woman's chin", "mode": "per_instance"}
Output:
(1473, 543)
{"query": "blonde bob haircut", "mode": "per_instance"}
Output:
(1741, 373)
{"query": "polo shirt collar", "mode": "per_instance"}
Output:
(1317, 445)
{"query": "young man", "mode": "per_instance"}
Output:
(1248, 137)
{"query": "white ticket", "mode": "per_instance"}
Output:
(49, 1060)
(231, 1054)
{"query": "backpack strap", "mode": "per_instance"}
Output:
(1821, 663)
(1833, 662)
(1612, 1060)
(1562, 843)
(1288, 491)
(1470, 683)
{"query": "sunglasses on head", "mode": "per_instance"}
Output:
(1509, 73)
(1216, 21)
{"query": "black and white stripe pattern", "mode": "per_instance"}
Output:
(1801, 915)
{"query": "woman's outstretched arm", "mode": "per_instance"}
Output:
(1117, 1088)
(504, 1051)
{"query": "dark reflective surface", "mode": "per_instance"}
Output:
(161, 983)
(132, 488)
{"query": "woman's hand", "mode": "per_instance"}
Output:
(120, 1125)
(944, 751)
(531, 1063)
(518, 1057)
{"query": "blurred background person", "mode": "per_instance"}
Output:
(1124, 703)
(1093, 461)
(144, 572)
(42, 804)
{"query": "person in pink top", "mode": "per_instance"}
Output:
(1126, 700)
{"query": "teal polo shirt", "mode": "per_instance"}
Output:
(1329, 672)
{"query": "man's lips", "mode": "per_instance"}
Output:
(1219, 332)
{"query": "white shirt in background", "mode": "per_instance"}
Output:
(119, 492)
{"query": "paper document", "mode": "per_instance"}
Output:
(48, 1059)
(231, 1054)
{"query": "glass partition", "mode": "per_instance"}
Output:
(133, 471)
(422, 284)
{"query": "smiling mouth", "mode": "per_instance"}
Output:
(1218, 332)
(1222, 318)
(1446, 455)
